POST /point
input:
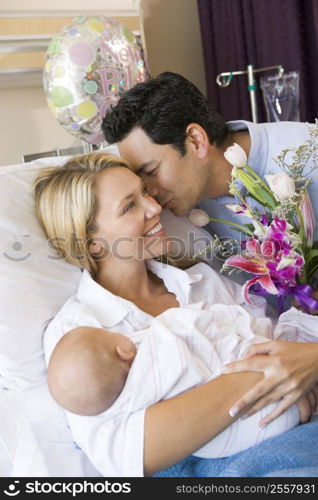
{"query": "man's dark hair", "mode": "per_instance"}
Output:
(163, 107)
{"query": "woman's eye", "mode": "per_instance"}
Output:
(145, 191)
(129, 206)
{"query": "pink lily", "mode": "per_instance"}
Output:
(271, 259)
(253, 265)
(264, 281)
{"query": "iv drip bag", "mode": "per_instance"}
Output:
(281, 96)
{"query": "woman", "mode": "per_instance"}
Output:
(99, 216)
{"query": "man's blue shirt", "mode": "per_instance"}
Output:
(267, 141)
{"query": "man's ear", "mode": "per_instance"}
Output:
(197, 140)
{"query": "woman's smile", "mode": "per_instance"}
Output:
(156, 230)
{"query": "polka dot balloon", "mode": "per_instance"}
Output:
(88, 66)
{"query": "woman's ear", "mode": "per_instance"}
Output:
(95, 247)
(98, 248)
(197, 140)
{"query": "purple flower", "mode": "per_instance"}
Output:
(264, 220)
(271, 259)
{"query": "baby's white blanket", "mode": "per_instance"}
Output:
(185, 347)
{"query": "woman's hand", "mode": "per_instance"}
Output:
(290, 371)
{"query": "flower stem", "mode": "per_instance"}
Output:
(241, 228)
(302, 238)
(301, 226)
(240, 197)
(259, 179)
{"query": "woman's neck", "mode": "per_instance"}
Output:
(130, 280)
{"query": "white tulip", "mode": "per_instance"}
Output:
(199, 217)
(236, 156)
(282, 185)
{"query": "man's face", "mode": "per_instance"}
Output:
(175, 181)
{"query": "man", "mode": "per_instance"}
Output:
(169, 134)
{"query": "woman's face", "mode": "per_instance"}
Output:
(128, 219)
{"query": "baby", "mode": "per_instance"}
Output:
(107, 373)
(94, 364)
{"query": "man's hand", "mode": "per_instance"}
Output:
(290, 372)
(307, 405)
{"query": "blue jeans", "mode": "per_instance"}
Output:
(291, 454)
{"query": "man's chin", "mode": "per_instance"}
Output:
(180, 211)
(177, 211)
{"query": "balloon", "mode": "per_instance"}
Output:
(88, 66)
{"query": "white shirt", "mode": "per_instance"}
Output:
(116, 447)
(95, 306)
(114, 440)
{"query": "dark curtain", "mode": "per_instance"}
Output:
(236, 33)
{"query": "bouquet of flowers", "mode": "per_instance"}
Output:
(279, 251)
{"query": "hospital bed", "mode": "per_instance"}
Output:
(35, 439)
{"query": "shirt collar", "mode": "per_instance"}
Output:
(162, 270)
(257, 157)
(110, 309)
(177, 281)
(107, 307)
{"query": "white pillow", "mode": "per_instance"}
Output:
(34, 284)
(188, 240)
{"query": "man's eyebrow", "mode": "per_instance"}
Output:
(129, 195)
(142, 167)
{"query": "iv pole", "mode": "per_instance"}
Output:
(224, 80)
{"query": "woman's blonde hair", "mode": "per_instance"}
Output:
(66, 205)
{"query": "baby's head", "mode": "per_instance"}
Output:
(88, 369)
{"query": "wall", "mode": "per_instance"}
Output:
(68, 5)
(27, 125)
(173, 38)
